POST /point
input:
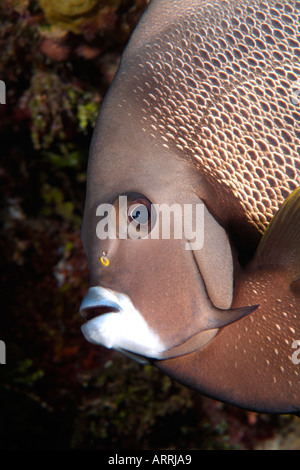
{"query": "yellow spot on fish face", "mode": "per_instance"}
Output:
(103, 259)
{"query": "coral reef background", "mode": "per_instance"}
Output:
(57, 59)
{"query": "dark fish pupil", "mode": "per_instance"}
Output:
(136, 214)
(140, 214)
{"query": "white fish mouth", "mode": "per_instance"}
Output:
(114, 322)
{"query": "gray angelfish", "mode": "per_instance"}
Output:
(201, 124)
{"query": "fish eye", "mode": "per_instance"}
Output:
(139, 214)
(135, 216)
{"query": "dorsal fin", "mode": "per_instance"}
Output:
(280, 245)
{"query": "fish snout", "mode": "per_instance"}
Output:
(97, 302)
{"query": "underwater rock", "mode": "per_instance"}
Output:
(73, 15)
(55, 50)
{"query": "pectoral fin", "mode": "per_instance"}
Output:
(219, 318)
(295, 287)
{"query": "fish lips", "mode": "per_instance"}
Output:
(113, 321)
(96, 303)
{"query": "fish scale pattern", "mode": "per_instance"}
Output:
(221, 84)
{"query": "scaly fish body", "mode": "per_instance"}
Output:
(257, 354)
(203, 112)
(216, 82)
